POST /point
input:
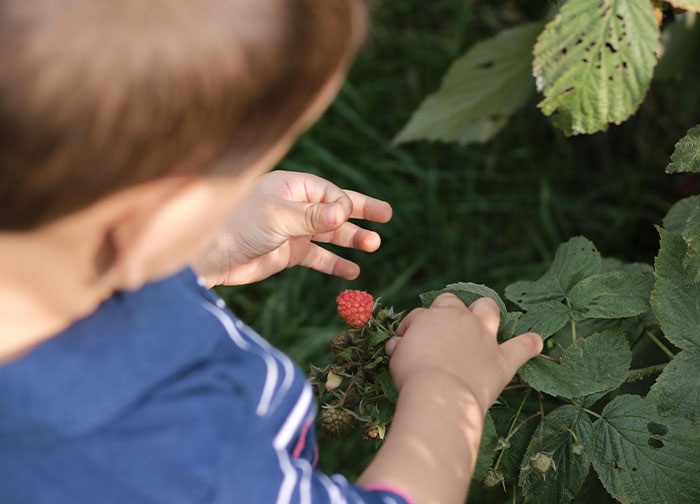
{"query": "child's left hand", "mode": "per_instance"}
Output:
(276, 225)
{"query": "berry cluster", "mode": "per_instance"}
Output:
(356, 389)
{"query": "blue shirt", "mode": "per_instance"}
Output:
(162, 396)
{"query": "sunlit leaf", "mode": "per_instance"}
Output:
(594, 62)
(686, 156)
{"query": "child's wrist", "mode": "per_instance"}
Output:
(447, 384)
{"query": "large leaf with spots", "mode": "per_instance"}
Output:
(594, 62)
(642, 457)
(480, 91)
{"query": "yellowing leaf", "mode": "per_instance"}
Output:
(594, 62)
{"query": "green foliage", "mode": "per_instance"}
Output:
(642, 450)
(686, 157)
(480, 91)
(594, 62)
(677, 217)
(643, 457)
(691, 235)
(675, 304)
(487, 448)
(677, 389)
(594, 364)
(563, 429)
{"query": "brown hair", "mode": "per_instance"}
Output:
(98, 95)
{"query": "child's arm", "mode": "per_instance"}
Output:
(448, 368)
(276, 227)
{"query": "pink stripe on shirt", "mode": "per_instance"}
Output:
(381, 487)
(302, 438)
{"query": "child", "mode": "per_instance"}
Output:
(134, 135)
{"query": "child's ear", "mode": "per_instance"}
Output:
(155, 230)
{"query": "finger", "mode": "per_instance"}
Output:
(390, 345)
(448, 300)
(488, 313)
(351, 236)
(314, 189)
(368, 208)
(304, 219)
(327, 262)
(517, 351)
(406, 322)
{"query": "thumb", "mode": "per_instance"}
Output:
(299, 219)
(390, 345)
(517, 351)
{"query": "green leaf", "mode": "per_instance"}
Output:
(544, 319)
(562, 485)
(594, 62)
(510, 461)
(675, 304)
(508, 325)
(487, 449)
(689, 5)
(468, 292)
(597, 363)
(479, 92)
(611, 264)
(677, 389)
(385, 381)
(678, 215)
(574, 260)
(691, 235)
(641, 456)
(686, 157)
(611, 295)
(377, 338)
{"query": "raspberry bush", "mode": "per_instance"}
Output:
(612, 406)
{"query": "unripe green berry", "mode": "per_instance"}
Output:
(493, 479)
(542, 462)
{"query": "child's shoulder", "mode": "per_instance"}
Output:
(136, 345)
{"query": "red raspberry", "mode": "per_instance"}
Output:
(355, 307)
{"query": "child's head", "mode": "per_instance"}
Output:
(100, 96)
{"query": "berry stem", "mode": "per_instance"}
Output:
(510, 429)
(658, 342)
(563, 427)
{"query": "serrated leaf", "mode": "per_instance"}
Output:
(510, 461)
(686, 156)
(479, 92)
(487, 449)
(691, 235)
(677, 389)
(562, 485)
(508, 325)
(594, 62)
(574, 260)
(642, 457)
(689, 5)
(616, 294)
(597, 363)
(675, 220)
(468, 292)
(386, 383)
(675, 304)
(544, 319)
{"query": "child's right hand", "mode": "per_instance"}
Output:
(450, 338)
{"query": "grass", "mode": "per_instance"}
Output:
(489, 213)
